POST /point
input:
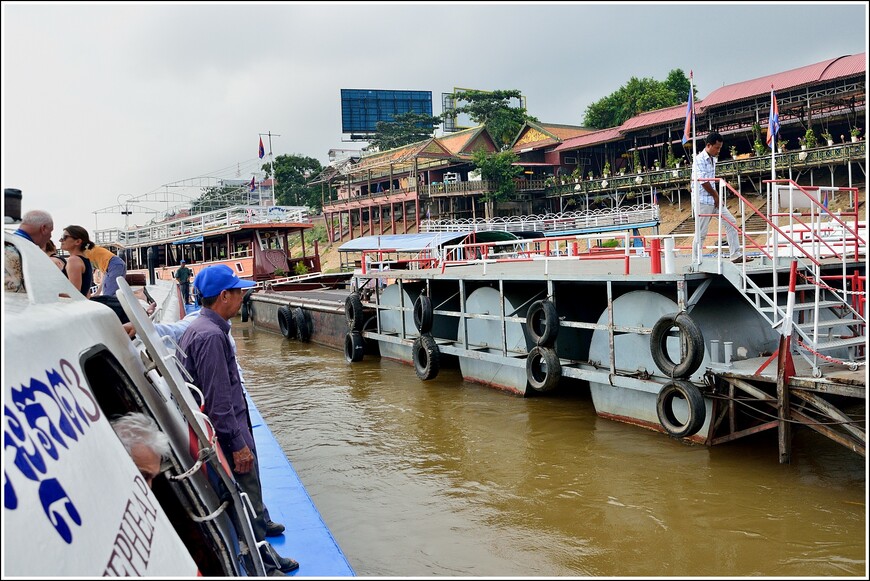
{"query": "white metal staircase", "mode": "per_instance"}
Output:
(828, 309)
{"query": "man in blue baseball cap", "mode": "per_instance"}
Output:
(211, 361)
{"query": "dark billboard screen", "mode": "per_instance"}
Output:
(361, 109)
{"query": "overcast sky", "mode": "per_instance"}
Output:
(104, 102)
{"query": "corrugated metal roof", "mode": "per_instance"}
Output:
(658, 117)
(594, 138)
(824, 71)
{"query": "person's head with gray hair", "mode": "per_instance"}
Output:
(144, 441)
(38, 225)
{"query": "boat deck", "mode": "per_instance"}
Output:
(306, 538)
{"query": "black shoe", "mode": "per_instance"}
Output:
(274, 529)
(286, 564)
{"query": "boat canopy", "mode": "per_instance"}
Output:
(190, 240)
(421, 241)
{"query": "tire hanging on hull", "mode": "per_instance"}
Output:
(285, 322)
(692, 343)
(353, 311)
(542, 322)
(354, 347)
(426, 356)
(543, 369)
(303, 331)
(423, 314)
(697, 411)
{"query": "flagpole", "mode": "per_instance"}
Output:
(771, 130)
(272, 168)
(696, 252)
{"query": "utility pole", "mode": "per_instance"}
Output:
(272, 164)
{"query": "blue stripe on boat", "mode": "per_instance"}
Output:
(306, 537)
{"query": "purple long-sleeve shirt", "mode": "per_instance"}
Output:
(211, 362)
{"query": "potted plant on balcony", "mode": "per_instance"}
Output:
(828, 137)
(780, 145)
(810, 138)
(855, 131)
(733, 151)
(606, 171)
(635, 160)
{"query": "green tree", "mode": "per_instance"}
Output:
(493, 109)
(217, 197)
(403, 129)
(293, 173)
(497, 168)
(635, 97)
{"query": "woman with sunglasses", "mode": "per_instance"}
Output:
(75, 241)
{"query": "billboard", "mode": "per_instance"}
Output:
(361, 109)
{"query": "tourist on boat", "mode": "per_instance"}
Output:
(182, 276)
(51, 251)
(176, 331)
(110, 265)
(707, 198)
(75, 241)
(208, 356)
(144, 441)
(36, 226)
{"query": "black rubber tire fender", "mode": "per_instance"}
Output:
(246, 305)
(543, 369)
(665, 408)
(426, 356)
(354, 347)
(353, 311)
(303, 329)
(423, 314)
(542, 321)
(285, 322)
(692, 343)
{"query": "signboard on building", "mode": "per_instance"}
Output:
(361, 109)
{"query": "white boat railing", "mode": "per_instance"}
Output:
(198, 224)
(561, 222)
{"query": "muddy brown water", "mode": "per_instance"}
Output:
(450, 478)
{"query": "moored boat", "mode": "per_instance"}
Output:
(72, 494)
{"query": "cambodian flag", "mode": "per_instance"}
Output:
(690, 112)
(262, 153)
(253, 182)
(773, 122)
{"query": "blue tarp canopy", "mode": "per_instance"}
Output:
(189, 240)
(402, 242)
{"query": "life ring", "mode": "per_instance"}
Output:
(285, 322)
(353, 311)
(543, 369)
(691, 339)
(694, 403)
(303, 331)
(423, 314)
(426, 356)
(542, 321)
(354, 347)
(246, 305)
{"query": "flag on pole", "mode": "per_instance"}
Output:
(253, 184)
(262, 149)
(690, 113)
(773, 121)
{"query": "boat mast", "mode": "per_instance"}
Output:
(272, 165)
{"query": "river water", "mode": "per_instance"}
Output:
(446, 477)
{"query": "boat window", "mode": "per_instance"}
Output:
(239, 267)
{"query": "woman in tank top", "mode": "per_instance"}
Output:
(75, 241)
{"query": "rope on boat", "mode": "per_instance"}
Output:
(213, 515)
(203, 455)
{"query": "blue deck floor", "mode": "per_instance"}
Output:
(306, 537)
